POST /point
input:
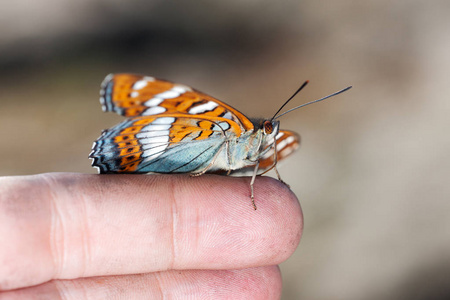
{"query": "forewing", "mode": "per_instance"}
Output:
(168, 144)
(135, 95)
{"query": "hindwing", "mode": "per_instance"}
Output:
(286, 143)
(168, 144)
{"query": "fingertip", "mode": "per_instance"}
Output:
(282, 207)
(268, 235)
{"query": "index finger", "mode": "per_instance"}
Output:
(73, 225)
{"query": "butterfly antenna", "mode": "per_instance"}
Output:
(299, 89)
(321, 99)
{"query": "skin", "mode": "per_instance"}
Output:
(77, 236)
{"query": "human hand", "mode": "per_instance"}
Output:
(79, 236)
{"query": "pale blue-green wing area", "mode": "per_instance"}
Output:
(169, 144)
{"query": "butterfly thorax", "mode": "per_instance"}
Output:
(247, 149)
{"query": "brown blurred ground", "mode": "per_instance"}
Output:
(373, 170)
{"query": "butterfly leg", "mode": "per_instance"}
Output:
(275, 159)
(274, 166)
(251, 184)
(227, 146)
(279, 177)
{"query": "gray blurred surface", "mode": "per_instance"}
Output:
(372, 173)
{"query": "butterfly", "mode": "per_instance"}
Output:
(173, 128)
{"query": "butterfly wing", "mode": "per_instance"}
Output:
(167, 144)
(172, 127)
(135, 95)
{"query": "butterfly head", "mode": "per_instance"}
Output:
(270, 127)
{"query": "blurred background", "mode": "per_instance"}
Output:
(372, 173)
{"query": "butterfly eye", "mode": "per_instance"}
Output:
(268, 127)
